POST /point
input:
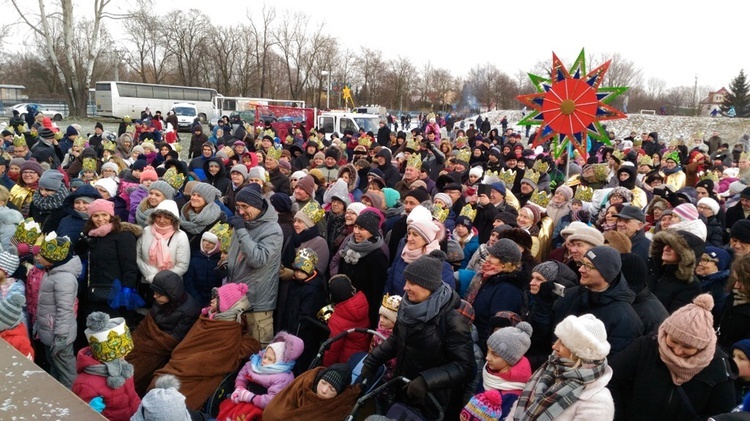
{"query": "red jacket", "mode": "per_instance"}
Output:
(346, 315)
(120, 404)
(18, 338)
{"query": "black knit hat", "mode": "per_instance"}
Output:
(741, 231)
(419, 193)
(370, 222)
(338, 375)
(341, 288)
(251, 195)
(427, 270)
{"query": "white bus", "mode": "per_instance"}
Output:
(118, 99)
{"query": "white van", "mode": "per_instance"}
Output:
(340, 121)
(186, 113)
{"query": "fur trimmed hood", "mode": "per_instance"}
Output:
(132, 228)
(293, 345)
(353, 176)
(688, 246)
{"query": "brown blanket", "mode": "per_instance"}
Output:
(298, 402)
(152, 349)
(211, 350)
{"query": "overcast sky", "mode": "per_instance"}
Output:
(673, 41)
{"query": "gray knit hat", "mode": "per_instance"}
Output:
(240, 168)
(606, 260)
(548, 270)
(11, 311)
(251, 195)
(51, 180)
(510, 343)
(9, 262)
(164, 402)
(208, 192)
(505, 250)
(163, 187)
(427, 270)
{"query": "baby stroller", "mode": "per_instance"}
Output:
(398, 411)
(355, 361)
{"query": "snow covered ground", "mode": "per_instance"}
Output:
(668, 127)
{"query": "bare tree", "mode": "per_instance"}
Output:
(262, 43)
(370, 66)
(149, 56)
(403, 75)
(58, 30)
(222, 57)
(186, 40)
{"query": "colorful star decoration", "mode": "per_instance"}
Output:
(570, 105)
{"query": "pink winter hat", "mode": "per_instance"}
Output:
(101, 205)
(230, 294)
(686, 212)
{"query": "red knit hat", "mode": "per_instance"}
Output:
(230, 294)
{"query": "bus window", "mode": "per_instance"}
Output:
(144, 91)
(103, 87)
(176, 93)
(126, 90)
(204, 95)
(161, 92)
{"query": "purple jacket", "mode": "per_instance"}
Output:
(274, 383)
(136, 197)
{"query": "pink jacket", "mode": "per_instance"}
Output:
(273, 383)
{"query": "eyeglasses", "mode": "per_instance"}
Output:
(588, 266)
(706, 259)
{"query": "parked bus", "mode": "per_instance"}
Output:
(118, 99)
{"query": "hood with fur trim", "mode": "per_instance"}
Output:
(685, 244)
(353, 176)
(293, 345)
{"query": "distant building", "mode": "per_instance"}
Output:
(12, 93)
(714, 101)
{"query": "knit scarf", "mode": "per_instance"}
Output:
(410, 255)
(411, 314)
(296, 240)
(492, 380)
(194, 223)
(354, 251)
(233, 313)
(667, 171)
(142, 213)
(739, 298)
(256, 362)
(101, 231)
(50, 203)
(554, 387)
(117, 372)
(158, 253)
(683, 369)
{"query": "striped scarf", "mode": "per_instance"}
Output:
(554, 387)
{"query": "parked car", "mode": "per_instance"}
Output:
(54, 114)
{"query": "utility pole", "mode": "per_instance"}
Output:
(695, 96)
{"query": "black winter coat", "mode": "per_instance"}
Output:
(650, 310)
(642, 387)
(715, 232)
(178, 316)
(111, 257)
(280, 181)
(734, 323)
(368, 276)
(221, 179)
(612, 306)
(734, 214)
(440, 350)
(303, 301)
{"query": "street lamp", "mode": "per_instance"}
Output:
(328, 88)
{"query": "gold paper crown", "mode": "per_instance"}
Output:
(79, 142)
(273, 153)
(27, 232)
(127, 119)
(174, 178)
(618, 154)
(325, 313)
(415, 161)
(468, 212)
(708, 175)
(224, 233)
(313, 211)
(491, 177)
(391, 302)
(744, 156)
(462, 140)
(584, 193)
(365, 141)
(600, 172)
(412, 144)
(23, 128)
(508, 177)
(673, 142)
(54, 248)
(532, 175)
(267, 132)
(540, 166)
(89, 164)
(305, 260)
(540, 198)
(464, 155)
(439, 212)
(58, 135)
(111, 344)
(150, 145)
(646, 160)
(289, 140)
(109, 145)
(130, 128)
(19, 141)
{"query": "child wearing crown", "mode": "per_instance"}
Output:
(56, 325)
(388, 313)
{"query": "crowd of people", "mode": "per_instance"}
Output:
(500, 280)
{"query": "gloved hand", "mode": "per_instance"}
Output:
(97, 404)
(368, 371)
(242, 395)
(546, 292)
(416, 390)
(286, 274)
(237, 222)
(57, 346)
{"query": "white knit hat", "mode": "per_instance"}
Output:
(711, 203)
(584, 336)
(476, 171)
(108, 184)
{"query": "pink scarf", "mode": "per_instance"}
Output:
(412, 255)
(683, 369)
(159, 254)
(101, 231)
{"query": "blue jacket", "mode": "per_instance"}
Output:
(470, 248)
(201, 277)
(501, 292)
(394, 284)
